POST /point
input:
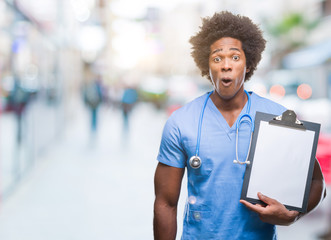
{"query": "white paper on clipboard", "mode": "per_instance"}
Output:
(285, 165)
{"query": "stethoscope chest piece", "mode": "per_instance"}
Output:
(195, 162)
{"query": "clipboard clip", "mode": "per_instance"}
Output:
(288, 119)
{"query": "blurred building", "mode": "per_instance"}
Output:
(303, 72)
(311, 63)
(43, 48)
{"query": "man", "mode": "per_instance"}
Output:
(227, 50)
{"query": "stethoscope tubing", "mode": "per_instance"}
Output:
(200, 124)
(194, 159)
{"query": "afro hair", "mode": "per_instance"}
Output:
(226, 24)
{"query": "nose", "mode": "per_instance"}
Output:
(226, 66)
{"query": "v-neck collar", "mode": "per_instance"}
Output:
(220, 118)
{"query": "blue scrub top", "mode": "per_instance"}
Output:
(213, 210)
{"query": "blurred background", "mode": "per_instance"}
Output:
(87, 85)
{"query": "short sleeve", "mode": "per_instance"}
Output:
(171, 152)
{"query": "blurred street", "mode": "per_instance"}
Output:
(90, 190)
(102, 188)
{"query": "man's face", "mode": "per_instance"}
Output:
(227, 66)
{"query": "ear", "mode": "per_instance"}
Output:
(247, 70)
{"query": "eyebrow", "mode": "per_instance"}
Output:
(221, 49)
(235, 49)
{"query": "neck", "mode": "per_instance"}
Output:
(237, 102)
(230, 108)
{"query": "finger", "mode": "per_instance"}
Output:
(266, 199)
(295, 214)
(256, 208)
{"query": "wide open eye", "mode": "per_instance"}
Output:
(235, 57)
(217, 59)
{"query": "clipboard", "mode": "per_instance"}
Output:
(282, 158)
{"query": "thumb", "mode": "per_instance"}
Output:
(265, 199)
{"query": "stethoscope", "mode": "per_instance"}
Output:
(195, 161)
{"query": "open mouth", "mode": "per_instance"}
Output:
(226, 80)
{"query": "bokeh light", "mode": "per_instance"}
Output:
(277, 91)
(304, 91)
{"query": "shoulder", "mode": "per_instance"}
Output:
(181, 120)
(177, 128)
(266, 105)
